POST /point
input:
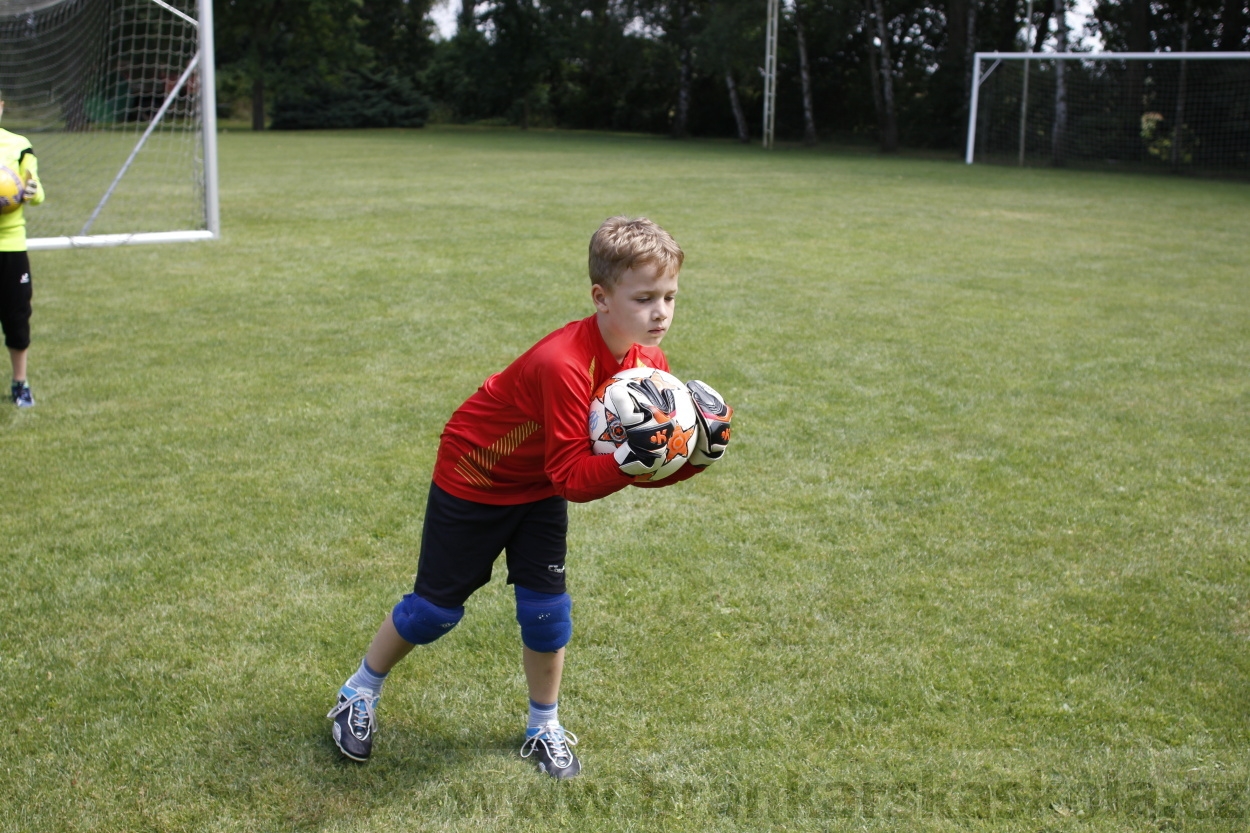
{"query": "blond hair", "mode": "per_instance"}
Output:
(622, 243)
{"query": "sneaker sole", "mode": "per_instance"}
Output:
(559, 775)
(350, 756)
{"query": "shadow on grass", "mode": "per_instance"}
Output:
(419, 752)
(291, 774)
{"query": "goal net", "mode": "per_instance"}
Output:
(1180, 111)
(116, 99)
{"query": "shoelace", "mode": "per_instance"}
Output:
(556, 741)
(361, 718)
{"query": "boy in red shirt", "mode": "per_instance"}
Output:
(509, 460)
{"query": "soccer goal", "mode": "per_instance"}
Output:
(117, 99)
(1180, 111)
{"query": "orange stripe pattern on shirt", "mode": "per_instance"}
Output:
(476, 466)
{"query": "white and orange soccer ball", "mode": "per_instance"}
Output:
(11, 187)
(643, 397)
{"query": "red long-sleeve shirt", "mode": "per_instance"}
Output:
(523, 437)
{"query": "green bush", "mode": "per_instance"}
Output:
(360, 99)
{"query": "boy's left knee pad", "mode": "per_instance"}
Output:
(546, 619)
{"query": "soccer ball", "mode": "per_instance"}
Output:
(10, 190)
(639, 397)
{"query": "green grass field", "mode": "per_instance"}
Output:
(977, 560)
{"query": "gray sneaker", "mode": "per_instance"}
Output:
(354, 722)
(21, 396)
(550, 745)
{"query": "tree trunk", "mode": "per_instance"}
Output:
(1139, 26)
(1059, 132)
(258, 101)
(1135, 75)
(970, 44)
(1178, 123)
(970, 48)
(681, 119)
(260, 37)
(805, 76)
(1232, 25)
(1043, 29)
(889, 134)
(466, 20)
(957, 56)
(956, 31)
(744, 134)
(874, 77)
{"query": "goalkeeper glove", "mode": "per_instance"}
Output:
(29, 190)
(646, 415)
(714, 416)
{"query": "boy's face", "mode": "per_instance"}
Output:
(638, 310)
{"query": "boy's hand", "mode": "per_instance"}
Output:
(648, 425)
(29, 190)
(643, 452)
(714, 416)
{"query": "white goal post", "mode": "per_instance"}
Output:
(770, 72)
(1177, 110)
(117, 99)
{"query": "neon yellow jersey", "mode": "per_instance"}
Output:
(16, 153)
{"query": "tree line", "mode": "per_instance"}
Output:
(895, 72)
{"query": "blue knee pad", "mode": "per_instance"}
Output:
(421, 622)
(546, 619)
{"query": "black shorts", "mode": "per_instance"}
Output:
(15, 295)
(461, 540)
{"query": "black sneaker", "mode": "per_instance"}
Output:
(354, 722)
(550, 745)
(20, 394)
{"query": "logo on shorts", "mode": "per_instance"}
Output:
(556, 568)
(25, 277)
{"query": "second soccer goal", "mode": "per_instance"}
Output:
(116, 98)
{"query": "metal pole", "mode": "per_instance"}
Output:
(972, 107)
(208, 117)
(1024, 95)
(770, 73)
(134, 152)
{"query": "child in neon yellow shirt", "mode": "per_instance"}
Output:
(15, 285)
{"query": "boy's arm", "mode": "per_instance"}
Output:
(32, 188)
(577, 474)
(684, 473)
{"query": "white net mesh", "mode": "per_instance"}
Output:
(108, 93)
(1139, 114)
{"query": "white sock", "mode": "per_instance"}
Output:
(543, 714)
(366, 677)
